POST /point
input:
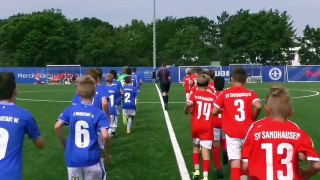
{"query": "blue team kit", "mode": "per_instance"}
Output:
(129, 97)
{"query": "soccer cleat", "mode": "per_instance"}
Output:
(205, 178)
(113, 134)
(196, 175)
(166, 107)
(220, 174)
(225, 159)
(125, 120)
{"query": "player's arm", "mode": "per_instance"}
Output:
(189, 104)
(218, 105)
(103, 126)
(105, 106)
(58, 128)
(247, 148)
(33, 131)
(256, 109)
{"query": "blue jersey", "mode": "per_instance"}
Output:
(97, 101)
(85, 121)
(118, 99)
(15, 122)
(129, 97)
(113, 94)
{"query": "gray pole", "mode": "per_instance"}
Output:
(154, 34)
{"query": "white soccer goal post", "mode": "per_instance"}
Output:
(254, 71)
(183, 70)
(62, 74)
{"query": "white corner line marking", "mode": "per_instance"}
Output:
(176, 148)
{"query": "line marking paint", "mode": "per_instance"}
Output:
(176, 148)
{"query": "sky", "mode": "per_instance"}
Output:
(121, 12)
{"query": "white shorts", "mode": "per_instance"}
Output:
(204, 143)
(100, 140)
(187, 96)
(128, 112)
(234, 146)
(118, 110)
(83, 173)
(218, 134)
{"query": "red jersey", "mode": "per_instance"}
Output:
(187, 83)
(202, 118)
(210, 88)
(236, 103)
(194, 78)
(271, 149)
(217, 120)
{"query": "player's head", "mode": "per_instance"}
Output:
(94, 74)
(211, 74)
(188, 71)
(7, 86)
(203, 80)
(129, 71)
(239, 75)
(134, 69)
(124, 69)
(193, 71)
(279, 102)
(128, 80)
(199, 71)
(114, 73)
(86, 87)
(109, 77)
(163, 64)
(219, 83)
(100, 73)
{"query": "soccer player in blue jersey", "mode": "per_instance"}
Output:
(119, 85)
(129, 93)
(82, 150)
(113, 94)
(15, 122)
(136, 80)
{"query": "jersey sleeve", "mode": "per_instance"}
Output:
(247, 146)
(219, 103)
(65, 116)
(191, 99)
(31, 128)
(254, 97)
(103, 122)
(306, 147)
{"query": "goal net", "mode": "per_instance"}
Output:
(63, 74)
(254, 71)
(183, 70)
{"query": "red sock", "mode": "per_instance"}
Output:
(206, 165)
(196, 159)
(235, 173)
(224, 144)
(217, 157)
(243, 173)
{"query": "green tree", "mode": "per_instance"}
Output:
(310, 46)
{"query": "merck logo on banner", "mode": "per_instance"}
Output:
(311, 74)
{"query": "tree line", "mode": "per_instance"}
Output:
(48, 37)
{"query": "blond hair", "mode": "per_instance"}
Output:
(279, 101)
(203, 80)
(86, 87)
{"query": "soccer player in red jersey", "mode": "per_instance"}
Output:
(272, 146)
(240, 108)
(194, 76)
(187, 83)
(201, 123)
(218, 134)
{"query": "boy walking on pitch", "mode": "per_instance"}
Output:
(201, 124)
(82, 150)
(129, 93)
(15, 122)
(240, 108)
(272, 146)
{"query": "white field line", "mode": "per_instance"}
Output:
(176, 148)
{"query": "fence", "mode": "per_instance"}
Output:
(268, 73)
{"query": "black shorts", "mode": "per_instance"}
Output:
(165, 87)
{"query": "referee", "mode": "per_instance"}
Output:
(165, 82)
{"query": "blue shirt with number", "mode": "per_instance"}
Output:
(129, 97)
(15, 122)
(97, 101)
(113, 94)
(85, 121)
(119, 86)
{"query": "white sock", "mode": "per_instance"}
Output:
(205, 174)
(129, 123)
(115, 124)
(102, 163)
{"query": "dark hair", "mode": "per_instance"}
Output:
(93, 73)
(7, 85)
(129, 71)
(134, 69)
(127, 79)
(163, 64)
(239, 75)
(114, 72)
(219, 83)
(100, 73)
